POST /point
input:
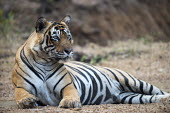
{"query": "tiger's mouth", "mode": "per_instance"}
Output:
(63, 55)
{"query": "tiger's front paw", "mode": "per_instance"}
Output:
(70, 102)
(30, 102)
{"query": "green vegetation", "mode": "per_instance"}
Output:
(92, 59)
(6, 22)
(84, 58)
(97, 59)
(146, 39)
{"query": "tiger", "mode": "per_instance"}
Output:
(43, 76)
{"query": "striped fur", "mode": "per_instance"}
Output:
(40, 79)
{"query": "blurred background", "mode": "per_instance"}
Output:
(96, 21)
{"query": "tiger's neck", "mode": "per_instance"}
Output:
(42, 59)
(44, 67)
(38, 56)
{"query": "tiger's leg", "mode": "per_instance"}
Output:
(25, 99)
(71, 98)
(136, 98)
(131, 84)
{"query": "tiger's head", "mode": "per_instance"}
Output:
(55, 39)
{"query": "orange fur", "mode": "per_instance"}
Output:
(25, 99)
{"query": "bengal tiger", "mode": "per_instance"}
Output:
(40, 78)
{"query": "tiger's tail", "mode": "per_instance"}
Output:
(136, 98)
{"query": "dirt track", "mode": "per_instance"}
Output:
(149, 61)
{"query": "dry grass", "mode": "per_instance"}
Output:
(146, 61)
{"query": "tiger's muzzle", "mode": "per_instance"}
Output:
(67, 53)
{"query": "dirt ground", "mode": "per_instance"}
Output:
(146, 60)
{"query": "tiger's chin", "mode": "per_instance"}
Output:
(60, 58)
(63, 60)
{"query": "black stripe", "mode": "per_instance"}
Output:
(141, 86)
(75, 80)
(88, 97)
(150, 90)
(22, 69)
(74, 84)
(59, 82)
(150, 100)
(162, 92)
(106, 79)
(14, 84)
(52, 49)
(41, 48)
(61, 91)
(126, 81)
(43, 64)
(91, 77)
(38, 67)
(27, 82)
(57, 74)
(124, 98)
(132, 78)
(38, 55)
(98, 100)
(55, 23)
(108, 94)
(47, 47)
(94, 84)
(20, 87)
(28, 64)
(31, 65)
(122, 92)
(83, 89)
(116, 78)
(36, 61)
(94, 72)
(78, 71)
(55, 71)
(56, 27)
(46, 41)
(104, 76)
(141, 101)
(130, 100)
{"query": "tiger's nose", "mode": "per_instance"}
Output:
(68, 50)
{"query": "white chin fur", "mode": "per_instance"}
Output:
(63, 61)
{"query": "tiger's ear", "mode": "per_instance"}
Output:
(41, 24)
(66, 19)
